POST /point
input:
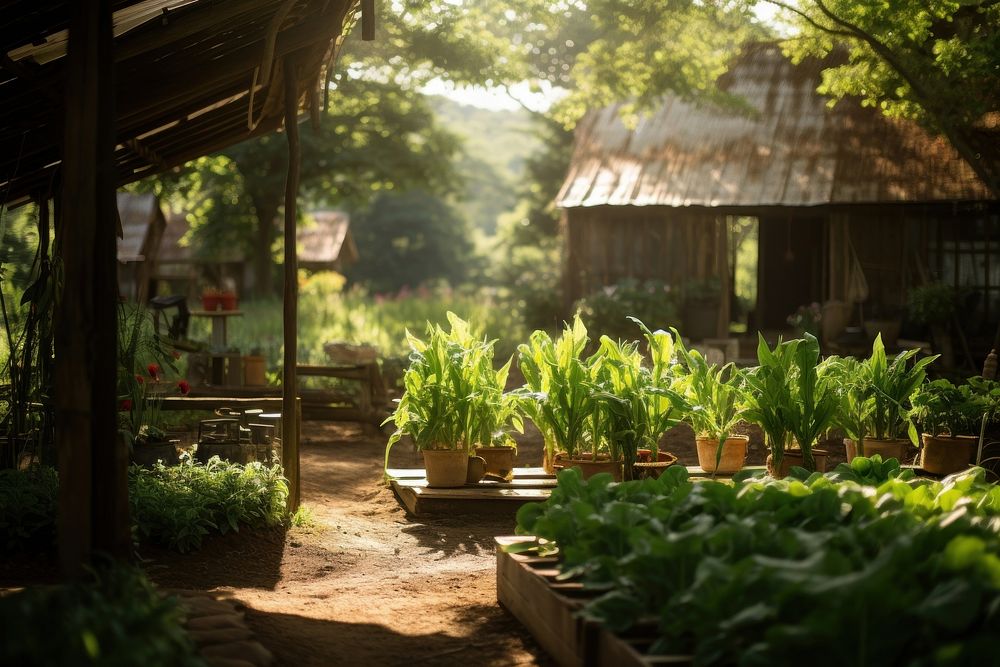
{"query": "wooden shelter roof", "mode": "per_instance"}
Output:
(138, 214)
(192, 76)
(327, 240)
(792, 150)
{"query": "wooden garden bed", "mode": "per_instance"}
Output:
(528, 485)
(527, 588)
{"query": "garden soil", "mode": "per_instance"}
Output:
(366, 583)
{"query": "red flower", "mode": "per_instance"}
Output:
(153, 370)
(184, 387)
(138, 379)
(177, 355)
(125, 405)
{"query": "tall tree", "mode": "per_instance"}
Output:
(375, 137)
(936, 61)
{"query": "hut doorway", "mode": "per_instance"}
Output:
(790, 267)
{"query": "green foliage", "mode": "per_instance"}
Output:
(327, 314)
(933, 303)
(28, 501)
(453, 398)
(769, 400)
(639, 399)
(814, 398)
(608, 309)
(762, 571)
(177, 506)
(941, 407)
(874, 393)
(408, 239)
(560, 392)
(117, 619)
(932, 61)
(715, 395)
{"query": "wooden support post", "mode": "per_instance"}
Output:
(289, 382)
(367, 20)
(93, 487)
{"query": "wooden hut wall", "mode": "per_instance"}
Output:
(607, 244)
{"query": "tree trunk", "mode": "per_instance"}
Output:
(267, 212)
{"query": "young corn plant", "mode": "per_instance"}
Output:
(716, 395)
(814, 398)
(892, 384)
(453, 398)
(639, 399)
(768, 394)
(560, 392)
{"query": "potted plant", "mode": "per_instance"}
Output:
(641, 403)
(769, 400)
(949, 416)
(716, 403)
(450, 403)
(211, 299)
(560, 394)
(793, 400)
(228, 300)
(874, 400)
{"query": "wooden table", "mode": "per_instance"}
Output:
(219, 320)
(528, 485)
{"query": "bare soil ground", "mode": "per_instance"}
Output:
(366, 584)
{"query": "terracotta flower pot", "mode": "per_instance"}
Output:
(893, 448)
(589, 467)
(446, 468)
(499, 460)
(645, 467)
(793, 457)
(734, 453)
(942, 455)
(228, 301)
(210, 302)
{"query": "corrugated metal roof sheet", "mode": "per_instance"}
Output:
(137, 213)
(794, 151)
(321, 242)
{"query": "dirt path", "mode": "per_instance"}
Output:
(366, 585)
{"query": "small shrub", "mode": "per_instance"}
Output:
(28, 508)
(608, 309)
(177, 506)
(116, 620)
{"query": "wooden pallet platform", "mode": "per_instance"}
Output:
(527, 587)
(529, 485)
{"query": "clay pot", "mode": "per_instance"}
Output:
(793, 457)
(499, 460)
(943, 455)
(227, 301)
(892, 448)
(446, 468)
(146, 454)
(734, 453)
(645, 467)
(587, 465)
(210, 302)
(475, 469)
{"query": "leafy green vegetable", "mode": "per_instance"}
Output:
(762, 571)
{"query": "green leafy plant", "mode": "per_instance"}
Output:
(28, 502)
(114, 619)
(875, 392)
(560, 392)
(814, 399)
(609, 309)
(940, 407)
(761, 571)
(453, 398)
(640, 401)
(933, 303)
(178, 506)
(768, 396)
(714, 393)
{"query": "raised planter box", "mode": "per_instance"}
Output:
(527, 588)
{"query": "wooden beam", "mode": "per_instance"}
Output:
(93, 490)
(367, 20)
(290, 413)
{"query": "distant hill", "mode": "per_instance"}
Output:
(496, 146)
